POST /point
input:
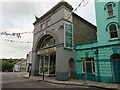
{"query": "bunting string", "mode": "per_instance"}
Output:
(14, 41)
(83, 1)
(18, 35)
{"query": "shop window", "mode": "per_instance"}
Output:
(49, 41)
(88, 65)
(113, 31)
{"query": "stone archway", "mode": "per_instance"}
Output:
(44, 55)
(46, 50)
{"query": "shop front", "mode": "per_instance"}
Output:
(47, 56)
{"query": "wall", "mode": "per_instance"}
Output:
(57, 18)
(103, 64)
(103, 21)
(82, 29)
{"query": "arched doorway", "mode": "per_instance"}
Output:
(46, 52)
(116, 67)
(71, 66)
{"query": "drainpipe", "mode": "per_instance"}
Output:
(98, 74)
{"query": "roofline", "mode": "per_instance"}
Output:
(53, 9)
(85, 20)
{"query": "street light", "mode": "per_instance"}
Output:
(43, 69)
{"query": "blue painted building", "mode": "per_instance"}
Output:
(99, 60)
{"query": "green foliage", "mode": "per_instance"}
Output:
(8, 64)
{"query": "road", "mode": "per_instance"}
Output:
(12, 80)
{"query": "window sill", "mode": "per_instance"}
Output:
(84, 73)
(111, 17)
(114, 39)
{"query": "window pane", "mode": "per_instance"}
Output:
(88, 59)
(110, 10)
(48, 42)
(110, 13)
(116, 57)
(114, 35)
(89, 67)
(109, 7)
(113, 31)
(113, 27)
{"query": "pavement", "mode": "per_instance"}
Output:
(75, 82)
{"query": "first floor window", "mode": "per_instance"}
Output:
(113, 31)
(110, 10)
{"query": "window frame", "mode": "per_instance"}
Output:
(92, 64)
(108, 11)
(110, 31)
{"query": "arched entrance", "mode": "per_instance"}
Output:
(116, 67)
(46, 52)
(71, 66)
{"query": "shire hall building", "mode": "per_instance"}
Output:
(55, 36)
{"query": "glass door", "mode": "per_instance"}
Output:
(41, 64)
(52, 64)
(46, 64)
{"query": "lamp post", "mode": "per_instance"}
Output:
(43, 69)
(85, 73)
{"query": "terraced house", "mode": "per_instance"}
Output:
(99, 60)
(55, 35)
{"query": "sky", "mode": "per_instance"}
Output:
(17, 16)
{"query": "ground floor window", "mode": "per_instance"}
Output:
(47, 63)
(88, 65)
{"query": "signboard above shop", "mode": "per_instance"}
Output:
(68, 36)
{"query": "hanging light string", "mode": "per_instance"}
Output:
(18, 35)
(14, 41)
(87, 3)
(69, 15)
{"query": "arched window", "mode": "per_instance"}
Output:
(49, 41)
(115, 57)
(110, 10)
(113, 31)
(109, 7)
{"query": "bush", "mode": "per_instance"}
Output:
(7, 66)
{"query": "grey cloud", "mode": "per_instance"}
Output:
(17, 14)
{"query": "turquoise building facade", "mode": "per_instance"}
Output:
(99, 60)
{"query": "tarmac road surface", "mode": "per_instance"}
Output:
(12, 80)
